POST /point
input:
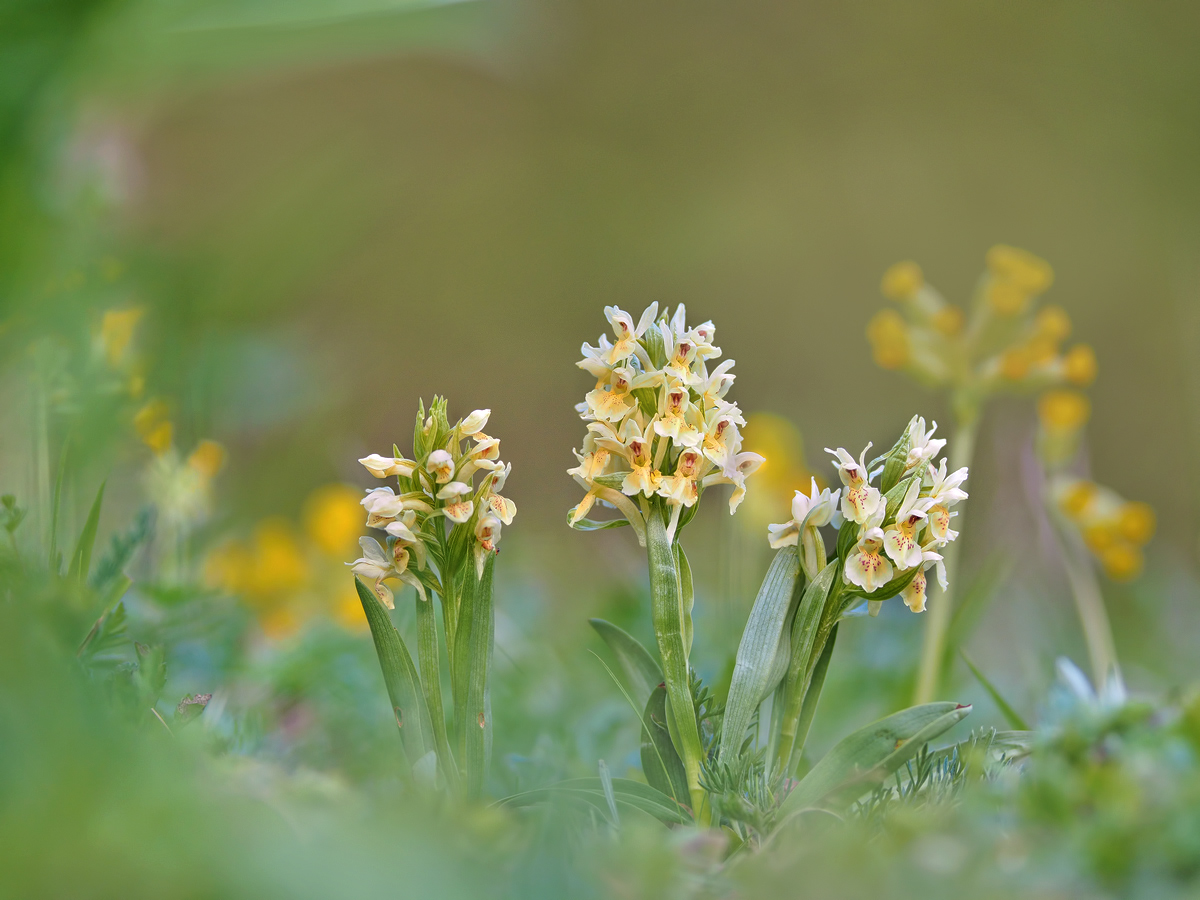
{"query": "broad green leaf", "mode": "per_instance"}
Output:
(660, 762)
(755, 664)
(81, 559)
(872, 753)
(1010, 715)
(641, 671)
(399, 676)
(625, 792)
(474, 638)
(593, 525)
(812, 697)
(666, 602)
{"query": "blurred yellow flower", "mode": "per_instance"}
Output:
(154, 427)
(1020, 268)
(1015, 363)
(333, 519)
(348, 611)
(902, 281)
(888, 335)
(280, 622)
(1136, 522)
(1007, 298)
(207, 459)
(783, 473)
(1122, 561)
(116, 332)
(1063, 411)
(1076, 498)
(1113, 529)
(949, 320)
(1079, 365)
(1052, 323)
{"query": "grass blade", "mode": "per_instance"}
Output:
(625, 792)
(81, 559)
(1011, 716)
(641, 670)
(755, 665)
(474, 638)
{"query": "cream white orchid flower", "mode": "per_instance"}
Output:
(861, 501)
(386, 466)
(740, 467)
(474, 423)
(703, 336)
(440, 464)
(376, 565)
(487, 536)
(500, 507)
(722, 440)
(901, 540)
(939, 517)
(643, 477)
(923, 447)
(383, 505)
(458, 509)
(809, 512)
(677, 417)
(713, 388)
(946, 489)
(681, 487)
(867, 566)
(626, 333)
(914, 594)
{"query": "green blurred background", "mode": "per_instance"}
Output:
(333, 208)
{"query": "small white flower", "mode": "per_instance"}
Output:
(678, 417)
(385, 466)
(901, 539)
(374, 566)
(945, 489)
(459, 511)
(440, 464)
(939, 524)
(474, 423)
(923, 447)
(681, 486)
(861, 500)
(402, 526)
(713, 388)
(487, 536)
(740, 467)
(383, 505)
(626, 332)
(867, 567)
(501, 507)
(915, 593)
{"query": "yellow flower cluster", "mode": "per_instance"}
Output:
(658, 421)
(1005, 343)
(1114, 529)
(288, 573)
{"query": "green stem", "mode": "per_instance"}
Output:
(666, 597)
(431, 684)
(962, 451)
(1089, 603)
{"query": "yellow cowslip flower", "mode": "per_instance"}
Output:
(902, 281)
(1020, 268)
(347, 609)
(1063, 411)
(1136, 522)
(1077, 497)
(1079, 365)
(278, 563)
(1042, 350)
(1007, 298)
(116, 332)
(1015, 363)
(154, 427)
(888, 334)
(333, 518)
(207, 459)
(949, 320)
(1052, 323)
(279, 622)
(1122, 561)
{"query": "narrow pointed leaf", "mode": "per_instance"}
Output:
(812, 697)
(640, 670)
(872, 753)
(660, 762)
(687, 593)
(755, 663)
(475, 638)
(81, 559)
(625, 792)
(1010, 715)
(400, 677)
(594, 525)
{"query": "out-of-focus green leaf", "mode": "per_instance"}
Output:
(474, 638)
(805, 626)
(400, 677)
(593, 525)
(813, 695)
(872, 753)
(641, 671)
(107, 644)
(625, 792)
(610, 798)
(81, 559)
(688, 595)
(151, 675)
(760, 646)
(1011, 716)
(660, 762)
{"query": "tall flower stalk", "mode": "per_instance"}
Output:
(1006, 344)
(442, 532)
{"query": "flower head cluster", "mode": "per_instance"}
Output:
(1006, 343)
(1114, 529)
(890, 535)
(438, 510)
(659, 425)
